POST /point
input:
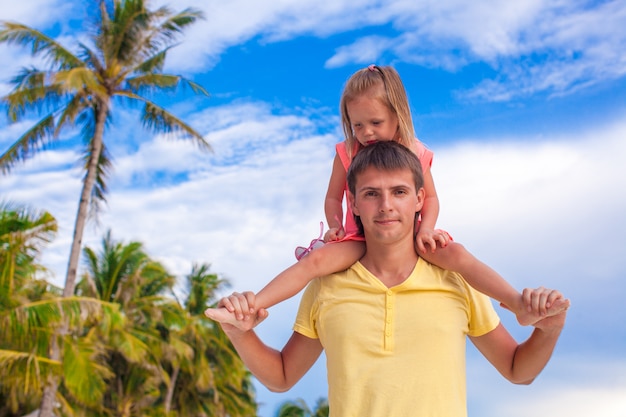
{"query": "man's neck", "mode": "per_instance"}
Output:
(391, 264)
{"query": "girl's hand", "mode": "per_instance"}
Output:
(429, 237)
(334, 233)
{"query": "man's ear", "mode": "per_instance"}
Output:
(421, 196)
(352, 202)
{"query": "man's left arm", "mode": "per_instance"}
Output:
(521, 363)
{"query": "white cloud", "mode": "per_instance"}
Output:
(555, 47)
(36, 13)
(364, 51)
(535, 46)
(583, 401)
(525, 198)
(564, 48)
(570, 386)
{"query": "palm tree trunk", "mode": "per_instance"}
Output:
(170, 390)
(50, 390)
(85, 198)
(52, 384)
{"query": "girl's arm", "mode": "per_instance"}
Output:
(328, 259)
(333, 202)
(430, 210)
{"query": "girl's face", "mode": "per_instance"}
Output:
(371, 120)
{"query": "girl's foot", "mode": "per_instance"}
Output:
(528, 318)
(223, 316)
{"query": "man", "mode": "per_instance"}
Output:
(393, 326)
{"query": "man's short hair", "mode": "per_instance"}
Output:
(384, 156)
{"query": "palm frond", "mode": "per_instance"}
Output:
(69, 116)
(22, 235)
(166, 29)
(160, 120)
(91, 58)
(171, 27)
(151, 65)
(17, 33)
(20, 226)
(36, 138)
(154, 81)
(84, 374)
(82, 79)
(123, 33)
(26, 369)
(33, 90)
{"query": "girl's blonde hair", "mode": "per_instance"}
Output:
(385, 85)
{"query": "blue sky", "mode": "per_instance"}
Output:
(523, 103)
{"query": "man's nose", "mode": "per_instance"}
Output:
(385, 202)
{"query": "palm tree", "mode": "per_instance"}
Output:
(168, 358)
(213, 381)
(299, 408)
(30, 313)
(23, 233)
(125, 275)
(124, 60)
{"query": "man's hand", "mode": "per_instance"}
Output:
(545, 308)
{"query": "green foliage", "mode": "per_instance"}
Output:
(129, 347)
(299, 408)
(76, 92)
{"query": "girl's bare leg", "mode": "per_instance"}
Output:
(455, 257)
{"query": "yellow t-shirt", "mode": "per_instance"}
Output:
(396, 351)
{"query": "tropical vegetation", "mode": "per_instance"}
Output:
(122, 338)
(78, 89)
(299, 408)
(132, 346)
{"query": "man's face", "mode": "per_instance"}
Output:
(387, 202)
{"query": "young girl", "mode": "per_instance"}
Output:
(375, 107)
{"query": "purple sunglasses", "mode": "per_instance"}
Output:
(301, 251)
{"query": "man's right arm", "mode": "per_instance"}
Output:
(277, 370)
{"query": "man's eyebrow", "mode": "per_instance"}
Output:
(368, 188)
